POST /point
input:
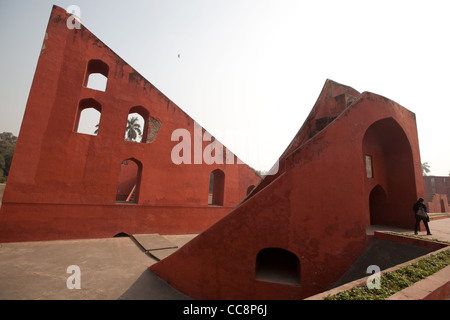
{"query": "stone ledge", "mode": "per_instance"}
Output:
(421, 242)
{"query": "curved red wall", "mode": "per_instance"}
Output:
(317, 206)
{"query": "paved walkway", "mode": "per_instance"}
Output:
(440, 229)
(113, 268)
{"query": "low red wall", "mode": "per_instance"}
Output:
(409, 240)
(54, 222)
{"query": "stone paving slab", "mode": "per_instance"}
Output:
(153, 241)
(180, 239)
(163, 253)
(440, 229)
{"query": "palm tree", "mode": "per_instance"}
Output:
(425, 168)
(133, 129)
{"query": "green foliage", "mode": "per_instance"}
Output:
(398, 280)
(259, 173)
(133, 130)
(425, 168)
(7, 146)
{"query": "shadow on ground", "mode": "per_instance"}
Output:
(151, 287)
(382, 253)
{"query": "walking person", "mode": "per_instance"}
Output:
(420, 211)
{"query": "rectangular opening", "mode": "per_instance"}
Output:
(369, 167)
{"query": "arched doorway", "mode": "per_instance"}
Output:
(442, 206)
(391, 184)
(216, 188)
(129, 181)
(377, 205)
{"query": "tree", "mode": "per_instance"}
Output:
(425, 168)
(7, 146)
(2, 166)
(133, 129)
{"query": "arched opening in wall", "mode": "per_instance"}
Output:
(377, 203)
(121, 235)
(392, 160)
(96, 76)
(442, 206)
(87, 120)
(137, 124)
(433, 185)
(277, 265)
(216, 188)
(129, 181)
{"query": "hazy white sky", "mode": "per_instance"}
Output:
(250, 71)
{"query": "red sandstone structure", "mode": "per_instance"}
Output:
(65, 184)
(354, 163)
(437, 193)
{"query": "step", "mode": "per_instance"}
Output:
(153, 241)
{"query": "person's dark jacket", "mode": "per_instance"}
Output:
(419, 204)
